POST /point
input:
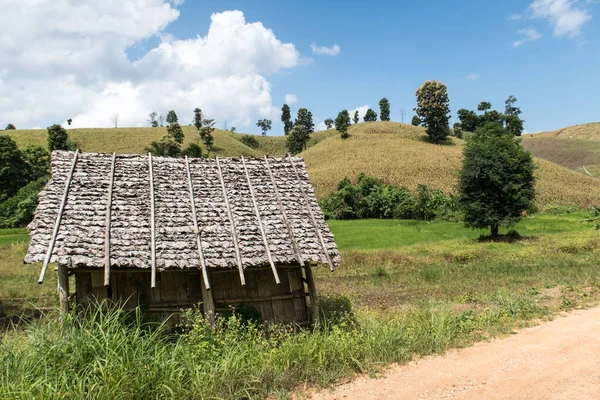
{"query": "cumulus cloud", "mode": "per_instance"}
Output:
(473, 76)
(291, 99)
(528, 35)
(362, 110)
(327, 51)
(565, 16)
(65, 59)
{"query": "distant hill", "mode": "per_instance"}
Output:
(576, 147)
(394, 152)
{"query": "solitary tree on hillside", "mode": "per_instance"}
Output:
(206, 133)
(115, 119)
(10, 127)
(286, 118)
(416, 121)
(172, 117)
(514, 123)
(370, 116)
(356, 117)
(496, 181)
(264, 125)
(342, 123)
(297, 139)
(484, 106)
(175, 132)
(384, 109)
(13, 169)
(70, 121)
(433, 108)
(153, 119)
(58, 138)
(305, 119)
(198, 118)
(328, 123)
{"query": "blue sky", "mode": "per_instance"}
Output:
(385, 49)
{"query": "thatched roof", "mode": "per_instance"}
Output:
(228, 195)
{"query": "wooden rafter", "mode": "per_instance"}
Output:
(107, 223)
(152, 224)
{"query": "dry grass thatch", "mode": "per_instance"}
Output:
(81, 237)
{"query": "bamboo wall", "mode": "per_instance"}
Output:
(175, 290)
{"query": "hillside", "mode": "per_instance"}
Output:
(394, 152)
(576, 147)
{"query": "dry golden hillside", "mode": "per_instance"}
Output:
(589, 131)
(398, 153)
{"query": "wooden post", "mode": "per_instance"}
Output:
(312, 216)
(233, 233)
(208, 304)
(152, 224)
(312, 292)
(63, 288)
(260, 225)
(107, 223)
(58, 218)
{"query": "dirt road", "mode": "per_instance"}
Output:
(557, 360)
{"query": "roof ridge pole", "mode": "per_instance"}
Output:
(260, 225)
(152, 224)
(283, 214)
(233, 234)
(312, 216)
(108, 215)
(196, 230)
(59, 218)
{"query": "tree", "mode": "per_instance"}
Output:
(10, 127)
(192, 150)
(286, 118)
(384, 109)
(206, 133)
(198, 118)
(175, 132)
(115, 119)
(37, 160)
(484, 106)
(433, 108)
(13, 169)
(329, 122)
(356, 117)
(166, 147)
(58, 138)
(153, 119)
(342, 123)
(510, 108)
(305, 119)
(172, 117)
(416, 121)
(161, 120)
(264, 125)
(492, 116)
(297, 139)
(514, 123)
(70, 121)
(469, 120)
(496, 181)
(370, 116)
(457, 130)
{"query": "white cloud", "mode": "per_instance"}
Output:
(515, 17)
(327, 51)
(565, 16)
(291, 99)
(362, 110)
(473, 76)
(321, 126)
(68, 60)
(529, 35)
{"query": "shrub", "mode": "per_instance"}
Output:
(17, 211)
(250, 141)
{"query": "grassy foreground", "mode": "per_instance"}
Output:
(405, 289)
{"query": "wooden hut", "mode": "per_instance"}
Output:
(170, 233)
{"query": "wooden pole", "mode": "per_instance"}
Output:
(283, 214)
(312, 292)
(208, 303)
(312, 216)
(107, 223)
(58, 218)
(260, 225)
(233, 233)
(63, 288)
(152, 224)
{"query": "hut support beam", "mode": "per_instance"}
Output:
(260, 225)
(312, 292)
(152, 224)
(108, 211)
(63, 288)
(233, 233)
(58, 218)
(312, 216)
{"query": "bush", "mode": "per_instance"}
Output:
(370, 198)
(250, 141)
(17, 211)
